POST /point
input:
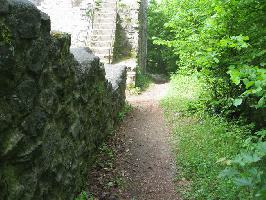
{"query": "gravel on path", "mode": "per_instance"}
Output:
(148, 163)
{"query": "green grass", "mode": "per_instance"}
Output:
(84, 196)
(201, 142)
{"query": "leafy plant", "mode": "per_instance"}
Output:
(133, 89)
(83, 196)
(219, 48)
(223, 40)
(98, 3)
(143, 82)
(127, 108)
(254, 80)
(248, 169)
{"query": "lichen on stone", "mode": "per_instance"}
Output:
(5, 34)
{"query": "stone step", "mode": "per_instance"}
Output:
(106, 10)
(107, 43)
(106, 5)
(104, 25)
(104, 58)
(103, 32)
(108, 1)
(102, 37)
(101, 50)
(104, 20)
(104, 15)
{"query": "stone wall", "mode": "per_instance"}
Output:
(70, 16)
(55, 109)
(131, 31)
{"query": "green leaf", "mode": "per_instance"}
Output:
(261, 103)
(261, 148)
(246, 158)
(249, 84)
(237, 102)
(243, 182)
(228, 172)
(216, 60)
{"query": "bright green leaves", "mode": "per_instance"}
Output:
(236, 42)
(237, 102)
(247, 169)
(254, 80)
(235, 75)
(208, 36)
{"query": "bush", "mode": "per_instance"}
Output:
(248, 169)
(223, 40)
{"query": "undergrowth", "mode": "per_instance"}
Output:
(84, 196)
(204, 143)
(122, 114)
(104, 182)
(143, 82)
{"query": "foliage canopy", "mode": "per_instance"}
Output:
(223, 39)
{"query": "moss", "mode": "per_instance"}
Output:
(5, 33)
(57, 35)
(123, 6)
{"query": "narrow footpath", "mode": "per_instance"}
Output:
(148, 163)
(144, 166)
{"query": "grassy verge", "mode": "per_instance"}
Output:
(202, 143)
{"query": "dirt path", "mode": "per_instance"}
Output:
(147, 163)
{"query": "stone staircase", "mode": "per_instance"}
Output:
(103, 31)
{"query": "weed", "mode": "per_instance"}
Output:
(143, 82)
(133, 89)
(98, 3)
(127, 109)
(84, 196)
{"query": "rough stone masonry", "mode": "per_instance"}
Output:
(70, 16)
(55, 108)
(131, 31)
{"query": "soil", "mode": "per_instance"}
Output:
(144, 160)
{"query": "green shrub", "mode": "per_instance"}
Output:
(127, 109)
(82, 196)
(224, 40)
(248, 169)
(143, 82)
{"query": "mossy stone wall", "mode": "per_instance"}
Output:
(54, 110)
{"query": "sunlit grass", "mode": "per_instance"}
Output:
(201, 141)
